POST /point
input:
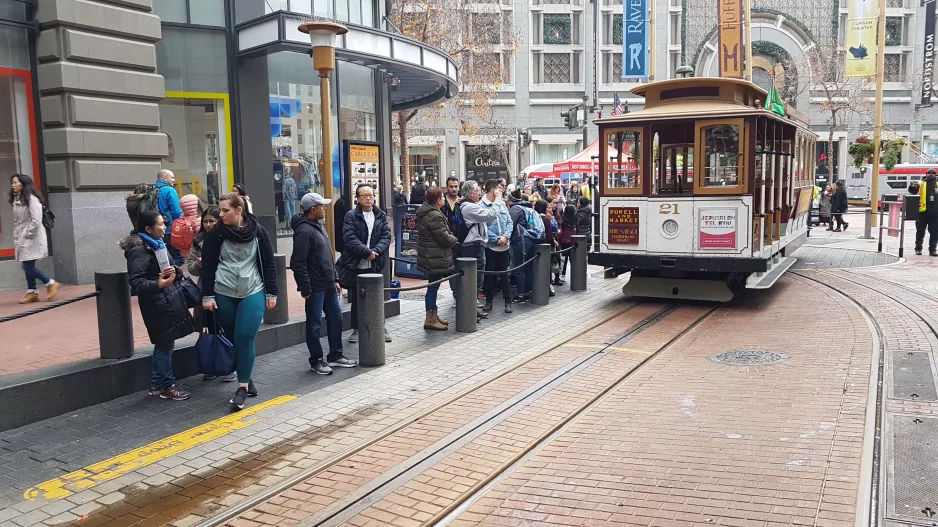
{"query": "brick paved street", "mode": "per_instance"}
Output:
(594, 410)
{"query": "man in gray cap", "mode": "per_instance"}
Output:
(313, 267)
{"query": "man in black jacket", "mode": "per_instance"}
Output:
(839, 206)
(317, 281)
(419, 193)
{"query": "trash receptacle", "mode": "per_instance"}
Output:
(911, 206)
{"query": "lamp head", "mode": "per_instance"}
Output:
(323, 33)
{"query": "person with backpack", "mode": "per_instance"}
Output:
(497, 248)
(29, 236)
(584, 218)
(419, 193)
(168, 205)
(163, 307)
(529, 229)
(471, 220)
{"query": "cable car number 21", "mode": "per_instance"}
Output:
(668, 208)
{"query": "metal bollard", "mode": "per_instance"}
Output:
(867, 224)
(115, 323)
(280, 314)
(540, 281)
(578, 263)
(371, 319)
(466, 294)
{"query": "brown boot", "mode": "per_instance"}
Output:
(436, 314)
(52, 290)
(431, 323)
(30, 298)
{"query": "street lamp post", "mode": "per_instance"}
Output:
(322, 35)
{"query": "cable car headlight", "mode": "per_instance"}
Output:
(670, 229)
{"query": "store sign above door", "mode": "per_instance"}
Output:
(635, 44)
(731, 53)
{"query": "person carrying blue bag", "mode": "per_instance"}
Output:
(156, 283)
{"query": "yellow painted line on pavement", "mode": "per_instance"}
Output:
(64, 486)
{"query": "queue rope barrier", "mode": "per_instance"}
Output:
(48, 307)
(513, 269)
(421, 286)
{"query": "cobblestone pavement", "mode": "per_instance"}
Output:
(423, 369)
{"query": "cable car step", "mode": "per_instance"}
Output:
(768, 279)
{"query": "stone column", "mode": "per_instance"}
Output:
(101, 124)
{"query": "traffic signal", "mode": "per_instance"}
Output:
(566, 118)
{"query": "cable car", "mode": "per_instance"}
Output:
(707, 192)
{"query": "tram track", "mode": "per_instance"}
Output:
(670, 323)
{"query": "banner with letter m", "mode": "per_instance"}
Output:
(731, 53)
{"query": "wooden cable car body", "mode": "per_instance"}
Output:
(707, 193)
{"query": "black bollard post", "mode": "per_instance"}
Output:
(540, 281)
(578, 263)
(466, 294)
(371, 319)
(115, 323)
(280, 314)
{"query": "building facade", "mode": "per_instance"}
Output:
(556, 67)
(98, 95)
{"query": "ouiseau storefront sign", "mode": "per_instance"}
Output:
(635, 43)
(731, 53)
(928, 62)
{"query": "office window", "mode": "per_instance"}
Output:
(894, 31)
(893, 69)
(487, 27)
(205, 12)
(558, 29)
(617, 29)
(171, 10)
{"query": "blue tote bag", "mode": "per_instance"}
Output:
(214, 352)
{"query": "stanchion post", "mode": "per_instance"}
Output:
(115, 323)
(879, 246)
(540, 281)
(371, 319)
(466, 294)
(578, 263)
(902, 228)
(280, 314)
(868, 224)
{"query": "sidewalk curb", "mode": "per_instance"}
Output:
(56, 390)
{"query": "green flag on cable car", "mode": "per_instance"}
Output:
(773, 102)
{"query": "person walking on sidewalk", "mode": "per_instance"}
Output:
(239, 279)
(210, 218)
(497, 255)
(367, 238)
(151, 275)
(168, 203)
(839, 206)
(434, 253)
(927, 214)
(318, 283)
(29, 236)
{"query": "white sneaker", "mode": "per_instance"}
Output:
(353, 338)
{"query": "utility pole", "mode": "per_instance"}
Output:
(878, 111)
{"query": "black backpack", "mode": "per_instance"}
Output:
(144, 197)
(460, 227)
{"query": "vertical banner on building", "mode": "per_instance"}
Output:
(861, 37)
(636, 39)
(928, 62)
(731, 52)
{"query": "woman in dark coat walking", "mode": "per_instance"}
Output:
(367, 237)
(839, 206)
(434, 253)
(162, 306)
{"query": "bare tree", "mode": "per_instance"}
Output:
(839, 97)
(483, 40)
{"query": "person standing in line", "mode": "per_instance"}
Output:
(839, 206)
(168, 203)
(568, 228)
(399, 198)
(434, 253)
(497, 253)
(367, 238)
(163, 308)
(927, 214)
(584, 218)
(239, 189)
(476, 215)
(29, 236)
(210, 218)
(418, 194)
(318, 283)
(239, 278)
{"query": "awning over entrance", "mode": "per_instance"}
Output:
(426, 74)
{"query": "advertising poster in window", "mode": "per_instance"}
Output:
(623, 225)
(363, 166)
(717, 229)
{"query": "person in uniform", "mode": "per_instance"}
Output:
(927, 214)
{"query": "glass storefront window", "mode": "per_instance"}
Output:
(361, 12)
(550, 153)
(198, 146)
(14, 48)
(17, 143)
(207, 12)
(170, 10)
(357, 102)
(193, 60)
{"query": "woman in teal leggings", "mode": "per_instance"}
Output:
(239, 279)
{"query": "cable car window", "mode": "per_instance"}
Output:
(721, 156)
(623, 166)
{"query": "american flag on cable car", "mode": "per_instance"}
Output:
(618, 109)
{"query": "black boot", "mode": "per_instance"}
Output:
(488, 305)
(508, 307)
